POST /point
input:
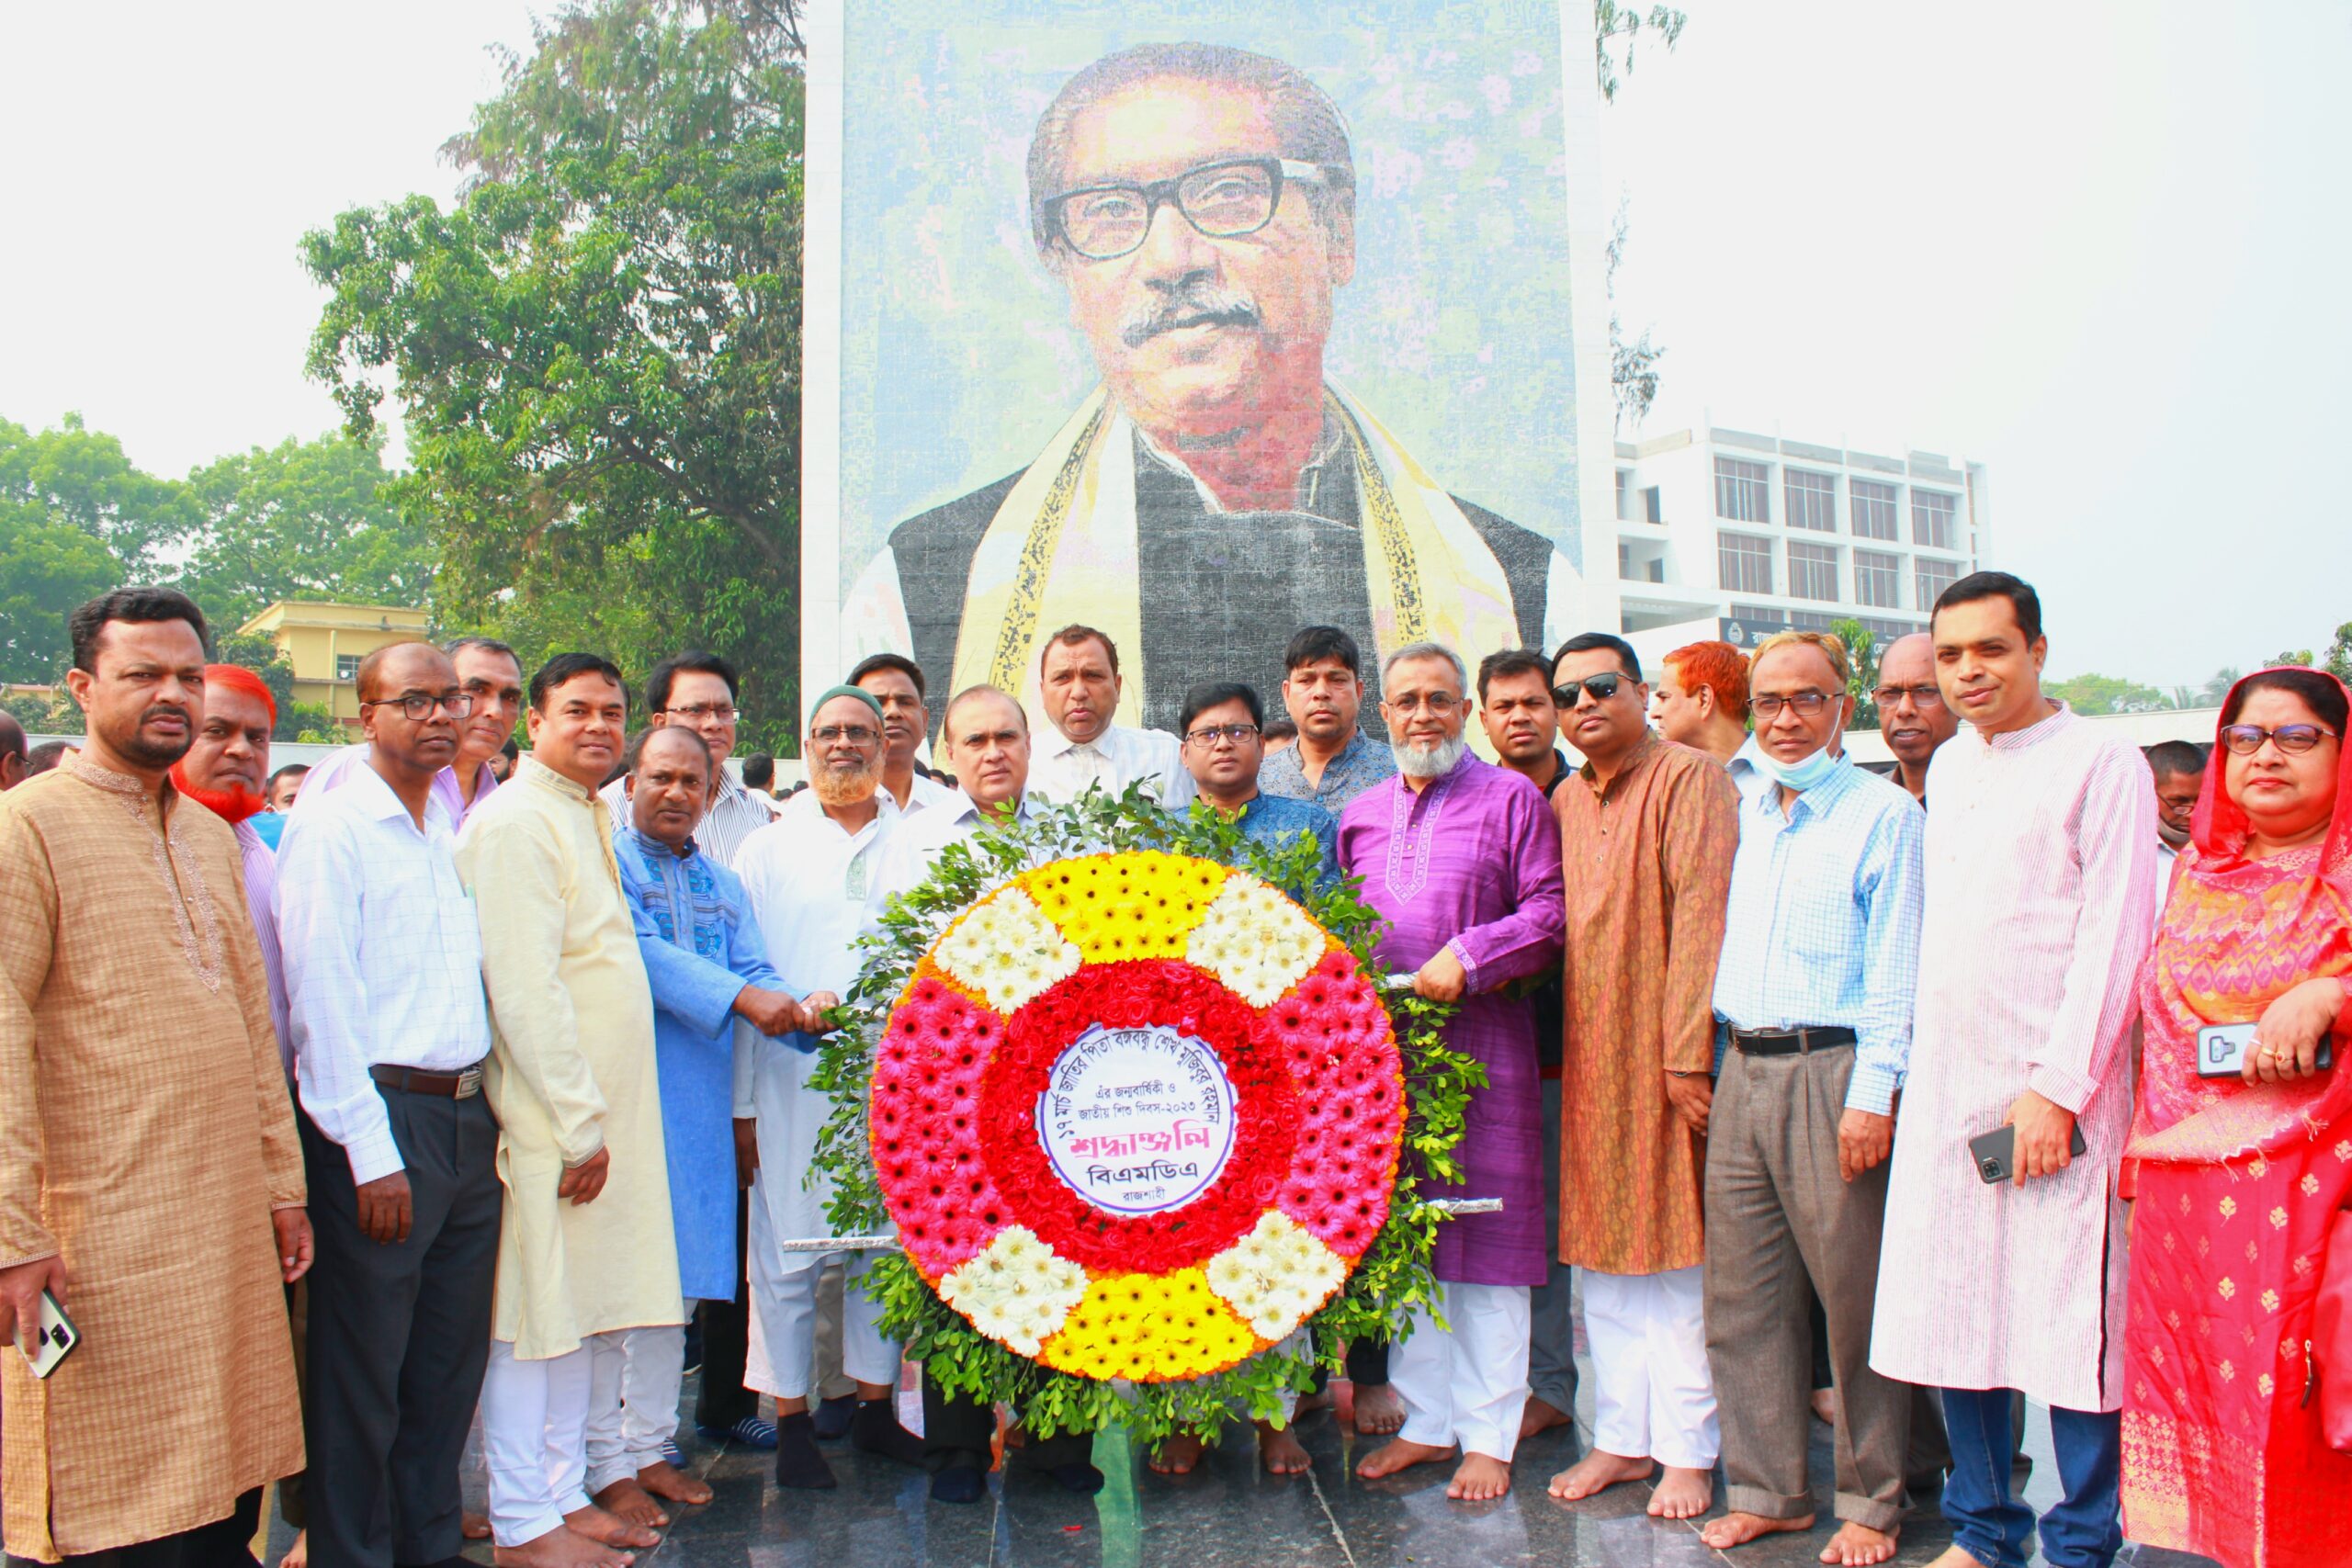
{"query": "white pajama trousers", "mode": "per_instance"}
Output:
(784, 1317)
(1654, 1394)
(634, 1378)
(1466, 1383)
(534, 1441)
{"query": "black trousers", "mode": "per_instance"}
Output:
(961, 1431)
(726, 1340)
(399, 1334)
(224, 1543)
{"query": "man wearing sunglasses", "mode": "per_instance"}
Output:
(1647, 829)
(1197, 205)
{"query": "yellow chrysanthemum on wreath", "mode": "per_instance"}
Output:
(1150, 1328)
(1135, 904)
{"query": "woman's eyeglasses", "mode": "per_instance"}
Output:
(2294, 739)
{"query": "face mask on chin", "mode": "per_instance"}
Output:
(1798, 775)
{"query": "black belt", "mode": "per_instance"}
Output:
(1789, 1041)
(460, 1084)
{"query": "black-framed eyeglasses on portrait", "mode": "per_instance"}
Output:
(1223, 200)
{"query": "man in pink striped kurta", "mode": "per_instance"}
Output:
(2039, 870)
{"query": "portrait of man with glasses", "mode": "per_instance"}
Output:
(1197, 205)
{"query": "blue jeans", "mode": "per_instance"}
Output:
(1997, 1529)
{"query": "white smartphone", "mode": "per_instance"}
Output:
(57, 1338)
(2221, 1050)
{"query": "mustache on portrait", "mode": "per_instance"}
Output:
(1191, 303)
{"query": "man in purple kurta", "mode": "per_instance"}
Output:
(1462, 859)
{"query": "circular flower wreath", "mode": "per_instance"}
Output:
(1111, 922)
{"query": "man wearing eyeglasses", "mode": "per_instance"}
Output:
(1647, 829)
(492, 676)
(697, 691)
(1198, 206)
(1462, 860)
(1911, 711)
(1820, 958)
(1224, 725)
(383, 973)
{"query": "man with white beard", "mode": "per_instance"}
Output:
(809, 876)
(1462, 858)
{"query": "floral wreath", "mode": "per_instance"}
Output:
(1136, 1117)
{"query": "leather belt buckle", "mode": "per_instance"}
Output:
(468, 1083)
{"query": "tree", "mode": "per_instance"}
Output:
(2339, 654)
(2108, 694)
(2217, 690)
(1619, 28)
(598, 350)
(1861, 680)
(303, 520)
(1633, 364)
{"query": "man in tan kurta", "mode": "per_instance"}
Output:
(587, 1251)
(1648, 831)
(149, 1172)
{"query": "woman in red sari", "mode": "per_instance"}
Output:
(2238, 1179)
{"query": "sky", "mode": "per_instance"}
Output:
(2098, 246)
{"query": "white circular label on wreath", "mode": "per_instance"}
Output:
(1138, 1121)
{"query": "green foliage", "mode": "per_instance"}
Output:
(598, 350)
(1391, 1278)
(39, 715)
(2217, 690)
(295, 721)
(2339, 653)
(1616, 29)
(2108, 694)
(1862, 650)
(301, 520)
(2293, 656)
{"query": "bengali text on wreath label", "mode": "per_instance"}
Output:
(1138, 1121)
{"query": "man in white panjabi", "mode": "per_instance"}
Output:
(1081, 749)
(809, 877)
(2040, 871)
(1197, 203)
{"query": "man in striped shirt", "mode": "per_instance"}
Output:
(1819, 962)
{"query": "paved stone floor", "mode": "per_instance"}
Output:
(1228, 1514)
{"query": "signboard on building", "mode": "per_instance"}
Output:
(1745, 631)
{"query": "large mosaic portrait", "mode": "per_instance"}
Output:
(1197, 324)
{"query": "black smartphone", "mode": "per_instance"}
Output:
(2221, 1050)
(1996, 1153)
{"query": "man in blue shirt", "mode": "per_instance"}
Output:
(1222, 726)
(1820, 961)
(707, 963)
(1334, 761)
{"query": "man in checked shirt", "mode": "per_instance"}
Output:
(1820, 958)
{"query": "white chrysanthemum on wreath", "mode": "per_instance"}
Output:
(1015, 1289)
(1255, 940)
(1276, 1275)
(1008, 950)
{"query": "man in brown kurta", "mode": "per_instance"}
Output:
(149, 1172)
(1648, 831)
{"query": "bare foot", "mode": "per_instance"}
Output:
(1379, 1411)
(629, 1503)
(1481, 1477)
(669, 1484)
(1682, 1494)
(563, 1547)
(299, 1554)
(1824, 1406)
(474, 1526)
(1953, 1557)
(1280, 1450)
(1177, 1455)
(1397, 1454)
(1308, 1403)
(1597, 1473)
(1738, 1529)
(1858, 1546)
(594, 1524)
(1540, 1415)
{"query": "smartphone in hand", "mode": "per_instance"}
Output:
(1996, 1153)
(2221, 1050)
(56, 1339)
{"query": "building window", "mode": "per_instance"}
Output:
(1626, 563)
(1872, 506)
(1653, 506)
(1813, 500)
(1932, 578)
(1813, 572)
(1812, 621)
(1744, 564)
(347, 667)
(1625, 494)
(1878, 579)
(1932, 519)
(1885, 632)
(1743, 490)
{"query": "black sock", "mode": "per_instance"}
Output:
(959, 1483)
(876, 1430)
(832, 1416)
(1079, 1478)
(799, 1465)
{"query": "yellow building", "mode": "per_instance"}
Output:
(325, 642)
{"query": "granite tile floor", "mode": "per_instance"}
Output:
(1228, 1514)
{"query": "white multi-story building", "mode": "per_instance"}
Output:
(1721, 533)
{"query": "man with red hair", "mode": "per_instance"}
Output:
(224, 771)
(1702, 698)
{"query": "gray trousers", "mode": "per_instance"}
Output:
(1551, 1352)
(1780, 1218)
(400, 1336)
